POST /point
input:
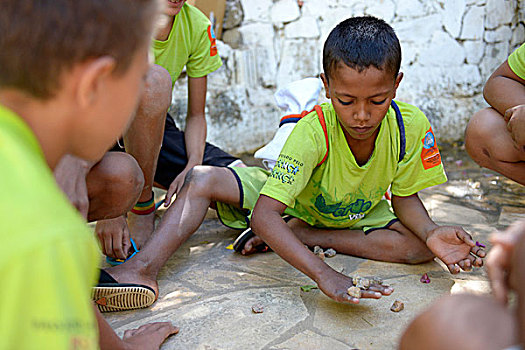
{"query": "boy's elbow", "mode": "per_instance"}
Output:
(257, 219)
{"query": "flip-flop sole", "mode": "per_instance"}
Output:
(238, 244)
(120, 298)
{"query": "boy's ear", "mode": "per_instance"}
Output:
(92, 79)
(325, 83)
(396, 83)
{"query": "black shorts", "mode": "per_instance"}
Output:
(173, 157)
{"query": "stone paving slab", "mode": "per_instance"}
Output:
(208, 291)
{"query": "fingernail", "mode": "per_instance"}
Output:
(377, 294)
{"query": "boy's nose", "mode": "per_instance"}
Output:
(361, 114)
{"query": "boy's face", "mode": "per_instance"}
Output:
(114, 104)
(360, 99)
(173, 7)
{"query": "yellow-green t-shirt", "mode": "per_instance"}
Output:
(191, 43)
(517, 61)
(339, 192)
(48, 257)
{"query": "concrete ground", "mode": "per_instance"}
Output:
(208, 290)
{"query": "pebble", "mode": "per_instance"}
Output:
(257, 308)
(397, 306)
(354, 292)
(330, 253)
(360, 282)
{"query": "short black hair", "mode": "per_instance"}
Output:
(40, 40)
(361, 42)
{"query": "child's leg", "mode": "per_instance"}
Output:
(143, 140)
(467, 322)
(203, 185)
(489, 143)
(114, 185)
(393, 244)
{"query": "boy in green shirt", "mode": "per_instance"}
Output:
(116, 191)
(330, 177)
(76, 97)
(495, 136)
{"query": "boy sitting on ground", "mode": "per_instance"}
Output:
(77, 97)
(330, 178)
(495, 136)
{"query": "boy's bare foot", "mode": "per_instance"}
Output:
(141, 227)
(149, 336)
(129, 273)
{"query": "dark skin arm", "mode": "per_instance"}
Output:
(504, 89)
(195, 132)
(505, 92)
(451, 244)
(268, 224)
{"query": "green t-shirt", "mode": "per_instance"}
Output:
(339, 192)
(48, 257)
(517, 61)
(191, 43)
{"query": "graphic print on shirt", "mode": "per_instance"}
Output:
(211, 35)
(430, 156)
(286, 169)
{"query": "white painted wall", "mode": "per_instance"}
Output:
(449, 50)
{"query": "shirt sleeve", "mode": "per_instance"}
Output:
(302, 152)
(517, 61)
(421, 167)
(45, 297)
(204, 57)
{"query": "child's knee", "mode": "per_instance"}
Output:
(156, 96)
(479, 135)
(201, 179)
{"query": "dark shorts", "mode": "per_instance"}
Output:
(173, 158)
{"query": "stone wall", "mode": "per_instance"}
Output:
(449, 50)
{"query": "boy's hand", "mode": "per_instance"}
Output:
(149, 336)
(455, 248)
(113, 235)
(176, 186)
(515, 118)
(500, 257)
(335, 285)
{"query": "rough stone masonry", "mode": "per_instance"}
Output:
(449, 50)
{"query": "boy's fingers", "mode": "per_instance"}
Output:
(475, 261)
(465, 237)
(118, 246)
(385, 290)
(347, 298)
(465, 264)
(478, 251)
(453, 268)
(370, 294)
(108, 246)
(169, 194)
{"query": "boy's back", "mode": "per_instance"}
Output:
(40, 226)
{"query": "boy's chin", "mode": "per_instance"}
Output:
(91, 154)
